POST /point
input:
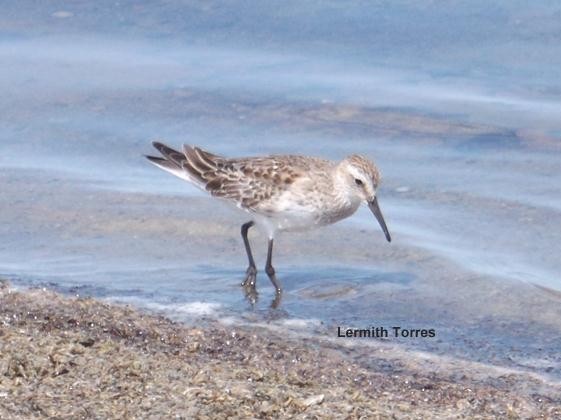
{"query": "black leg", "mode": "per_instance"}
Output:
(271, 273)
(251, 273)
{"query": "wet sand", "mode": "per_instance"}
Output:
(63, 356)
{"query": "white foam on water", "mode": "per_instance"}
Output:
(196, 308)
(189, 309)
(300, 324)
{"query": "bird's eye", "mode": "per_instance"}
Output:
(358, 182)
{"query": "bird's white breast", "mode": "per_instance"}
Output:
(296, 210)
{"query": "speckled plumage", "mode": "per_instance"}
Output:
(284, 192)
(281, 193)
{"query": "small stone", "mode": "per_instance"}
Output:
(313, 400)
(88, 342)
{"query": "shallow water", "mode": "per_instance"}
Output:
(467, 139)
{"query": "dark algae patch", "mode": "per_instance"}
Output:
(70, 357)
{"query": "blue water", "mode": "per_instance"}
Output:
(457, 103)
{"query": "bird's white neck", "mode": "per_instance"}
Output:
(346, 200)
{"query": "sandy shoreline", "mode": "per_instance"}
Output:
(78, 357)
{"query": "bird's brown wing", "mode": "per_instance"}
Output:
(248, 182)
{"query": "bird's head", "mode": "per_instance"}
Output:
(361, 179)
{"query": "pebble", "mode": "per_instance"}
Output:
(313, 400)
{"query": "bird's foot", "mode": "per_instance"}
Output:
(278, 290)
(250, 277)
(251, 294)
(249, 285)
(277, 300)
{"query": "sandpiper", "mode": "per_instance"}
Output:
(280, 193)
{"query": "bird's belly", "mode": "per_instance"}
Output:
(298, 212)
(294, 222)
(307, 218)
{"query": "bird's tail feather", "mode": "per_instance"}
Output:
(190, 165)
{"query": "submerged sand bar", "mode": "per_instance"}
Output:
(75, 357)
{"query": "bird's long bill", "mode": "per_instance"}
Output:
(373, 205)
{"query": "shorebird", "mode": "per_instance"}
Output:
(280, 192)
